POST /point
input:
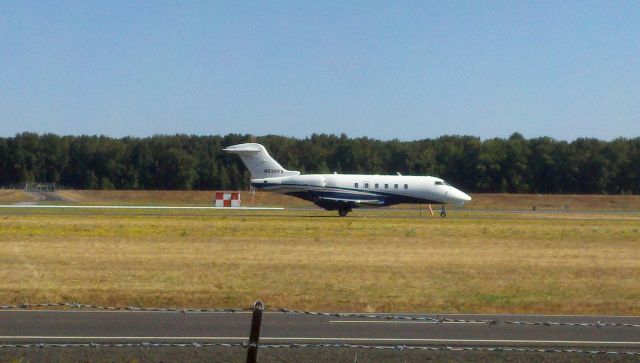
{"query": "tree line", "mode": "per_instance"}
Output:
(185, 162)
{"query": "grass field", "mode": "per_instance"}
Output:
(383, 260)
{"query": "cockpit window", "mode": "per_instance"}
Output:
(441, 182)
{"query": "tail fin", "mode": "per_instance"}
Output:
(259, 162)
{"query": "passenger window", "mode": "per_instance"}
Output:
(395, 186)
(406, 186)
(376, 185)
(366, 185)
(386, 186)
(355, 185)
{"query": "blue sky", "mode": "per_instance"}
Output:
(393, 69)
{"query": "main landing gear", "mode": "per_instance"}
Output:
(342, 212)
(443, 212)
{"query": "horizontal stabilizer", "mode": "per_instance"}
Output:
(244, 148)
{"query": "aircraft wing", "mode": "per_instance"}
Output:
(352, 202)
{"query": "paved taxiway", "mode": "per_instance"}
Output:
(126, 326)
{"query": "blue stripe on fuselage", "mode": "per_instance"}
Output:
(312, 193)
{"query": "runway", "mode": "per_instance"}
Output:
(75, 326)
(144, 207)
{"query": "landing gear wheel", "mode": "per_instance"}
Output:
(342, 212)
(443, 214)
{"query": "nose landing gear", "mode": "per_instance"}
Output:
(443, 212)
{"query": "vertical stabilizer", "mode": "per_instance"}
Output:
(259, 162)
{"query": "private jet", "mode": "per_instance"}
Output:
(344, 192)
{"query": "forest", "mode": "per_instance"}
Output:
(186, 162)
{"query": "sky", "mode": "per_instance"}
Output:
(381, 69)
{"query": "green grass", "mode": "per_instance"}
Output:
(381, 260)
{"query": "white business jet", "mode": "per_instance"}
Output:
(344, 192)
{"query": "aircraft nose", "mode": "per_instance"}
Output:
(459, 196)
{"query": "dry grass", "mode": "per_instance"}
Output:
(165, 197)
(495, 263)
(555, 202)
(11, 196)
(143, 197)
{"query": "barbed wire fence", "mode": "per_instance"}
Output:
(417, 317)
(253, 344)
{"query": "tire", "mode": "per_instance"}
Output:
(443, 214)
(342, 212)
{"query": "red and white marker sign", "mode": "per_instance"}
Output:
(227, 199)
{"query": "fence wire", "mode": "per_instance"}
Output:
(413, 317)
(439, 319)
(322, 346)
